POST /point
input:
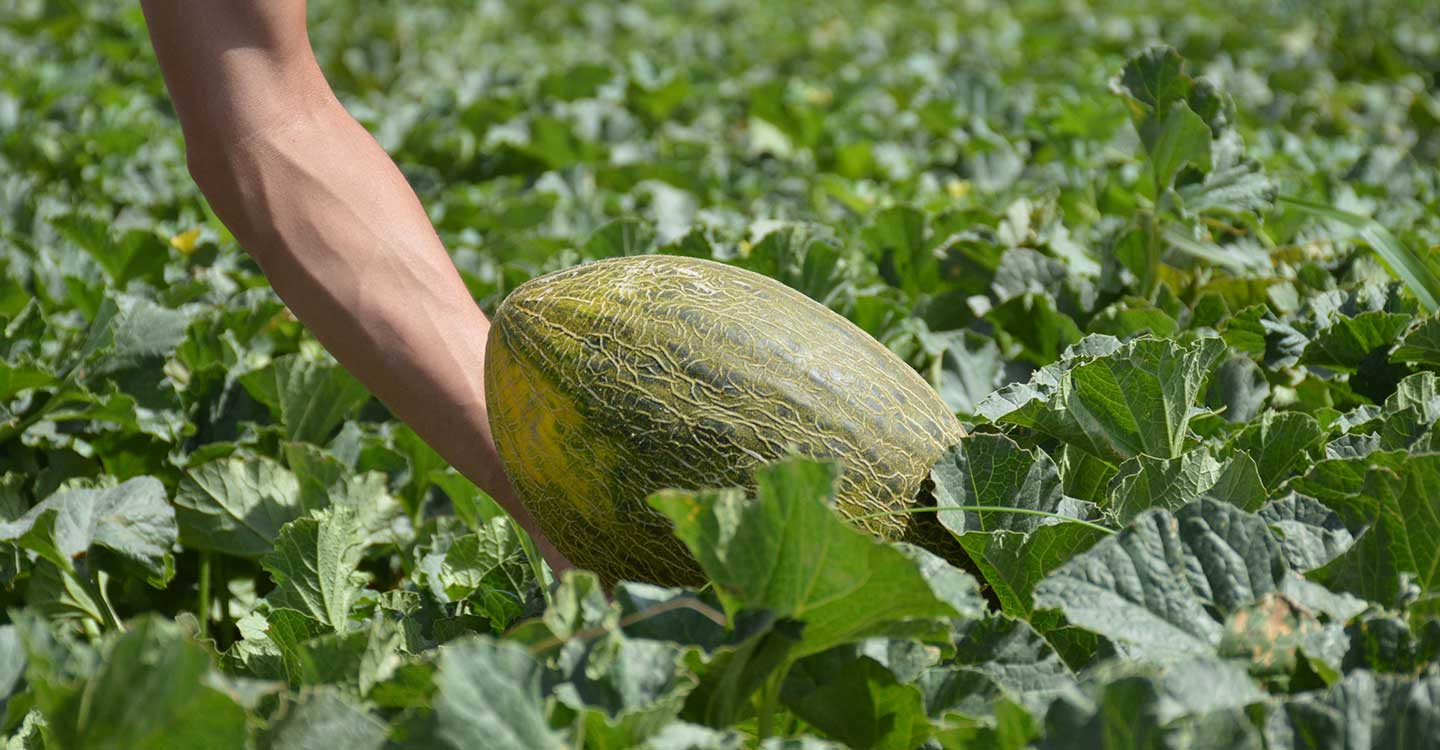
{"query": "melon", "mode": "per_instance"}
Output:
(609, 381)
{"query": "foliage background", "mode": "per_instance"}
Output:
(1191, 323)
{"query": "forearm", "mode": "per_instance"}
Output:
(333, 224)
(346, 245)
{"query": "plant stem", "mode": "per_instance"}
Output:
(1151, 282)
(222, 593)
(770, 702)
(202, 606)
(984, 509)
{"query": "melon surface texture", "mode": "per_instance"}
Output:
(609, 381)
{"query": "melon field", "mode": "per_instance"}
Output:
(1174, 267)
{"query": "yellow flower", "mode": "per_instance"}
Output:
(957, 188)
(185, 241)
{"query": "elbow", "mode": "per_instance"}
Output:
(206, 166)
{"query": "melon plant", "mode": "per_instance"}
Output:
(610, 381)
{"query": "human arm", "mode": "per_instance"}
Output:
(331, 222)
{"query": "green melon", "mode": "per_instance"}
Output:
(609, 381)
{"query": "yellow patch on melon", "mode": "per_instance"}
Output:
(543, 428)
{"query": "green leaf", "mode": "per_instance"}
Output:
(624, 689)
(1230, 188)
(315, 565)
(150, 692)
(1181, 139)
(308, 396)
(763, 645)
(1158, 587)
(1136, 399)
(1036, 325)
(789, 553)
(129, 331)
(992, 470)
(1348, 341)
(1385, 643)
(1155, 78)
(1147, 705)
(489, 696)
(423, 462)
(968, 369)
(619, 238)
(326, 719)
(489, 567)
(1310, 533)
(896, 237)
(12, 662)
(1421, 345)
(128, 255)
(1240, 484)
(1281, 444)
(236, 505)
(133, 520)
(857, 701)
(1015, 656)
(1012, 563)
(1238, 390)
(23, 376)
(804, 257)
(1132, 317)
(1400, 510)
(310, 653)
(1365, 710)
(1145, 482)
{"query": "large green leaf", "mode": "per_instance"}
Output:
(1015, 656)
(308, 395)
(315, 565)
(1348, 341)
(624, 689)
(133, 520)
(150, 693)
(236, 505)
(855, 700)
(1399, 508)
(1013, 562)
(326, 719)
(129, 331)
(789, 553)
(1310, 533)
(1364, 711)
(1158, 587)
(993, 471)
(1196, 702)
(489, 696)
(1282, 444)
(490, 567)
(1136, 399)
(1421, 345)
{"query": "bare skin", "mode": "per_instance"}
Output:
(330, 220)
